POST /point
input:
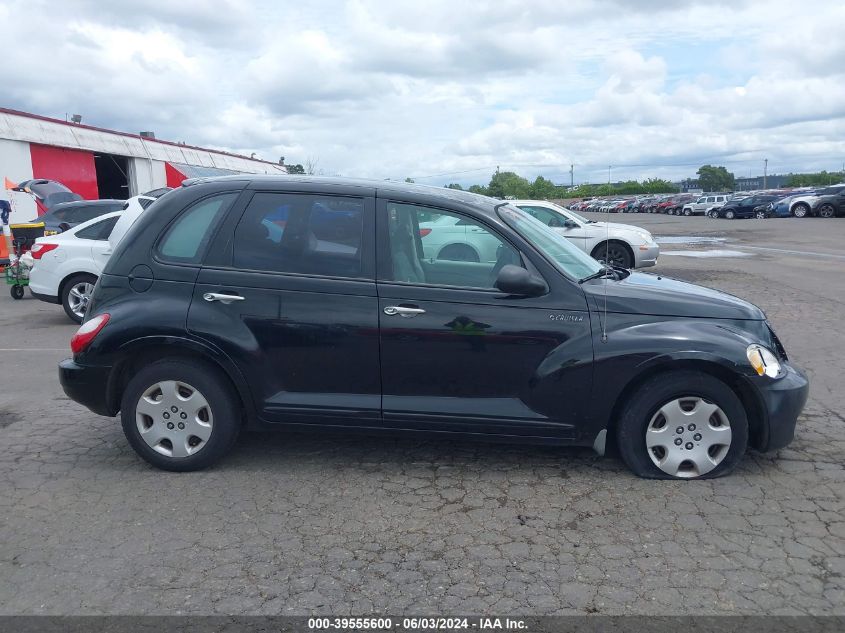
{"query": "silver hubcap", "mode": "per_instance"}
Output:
(79, 296)
(688, 437)
(174, 419)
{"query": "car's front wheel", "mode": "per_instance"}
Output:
(614, 253)
(729, 214)
(693, 426)
(180, 415)
(760, 215)
(76, 293)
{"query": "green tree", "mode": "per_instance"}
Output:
(711, 178)
(296, 169)
(409, 180)
(543, 189)
(506, 184)
(478, 189)
(454, 185)
(818, 179)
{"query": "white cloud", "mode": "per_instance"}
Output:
(391, 89)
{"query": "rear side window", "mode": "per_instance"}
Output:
(301, 233)
(186, 239)
(99, 230)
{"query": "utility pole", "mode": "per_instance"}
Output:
(572, 175)
(609, 167)
(765, 173)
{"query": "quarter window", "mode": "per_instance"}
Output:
(300, 233)
(430, 246)
(188, 237)
(99, 230)
(546, 216)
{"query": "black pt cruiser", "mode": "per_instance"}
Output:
(309, 303)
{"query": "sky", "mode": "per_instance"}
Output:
(446, 91)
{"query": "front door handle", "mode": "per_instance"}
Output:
(221, 297)
(403, 311)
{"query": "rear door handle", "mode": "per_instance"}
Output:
(221, 297)
(403, 311)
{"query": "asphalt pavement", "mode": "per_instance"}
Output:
(293, 524)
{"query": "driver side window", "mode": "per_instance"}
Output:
(433, 247)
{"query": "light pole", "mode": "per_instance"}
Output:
(609, 167)
(572, 175)
(765, 173)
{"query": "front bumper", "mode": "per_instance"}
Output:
(783, 400)
(86, 385)
(646, 255)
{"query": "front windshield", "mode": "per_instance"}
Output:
(557, 249)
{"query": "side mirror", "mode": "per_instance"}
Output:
(515, 280)
(64, 226)
(569, 224)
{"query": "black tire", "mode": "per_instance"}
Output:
(760, 215)
(801, 210)
(687, 212)
(216, 390)
(17, 292)
(653, 394)
(71, 308)
(827, 211)
(459, 253)
(730, 214)
(615, 253)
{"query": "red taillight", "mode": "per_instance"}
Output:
(39, 249)
(424, 232)
(85, 334)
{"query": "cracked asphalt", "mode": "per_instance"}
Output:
(293, 524)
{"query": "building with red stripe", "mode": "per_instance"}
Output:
(99, 163)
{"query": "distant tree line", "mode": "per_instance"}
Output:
(818, 179)
(507, 184)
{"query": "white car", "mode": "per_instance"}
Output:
(67, 265)
(705, 204)
(617, 244)
(799, 206)
(450, 238)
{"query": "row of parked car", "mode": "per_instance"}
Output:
(825, 202)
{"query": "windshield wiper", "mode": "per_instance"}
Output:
(604, 272)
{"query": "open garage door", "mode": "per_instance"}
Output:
(112, 178)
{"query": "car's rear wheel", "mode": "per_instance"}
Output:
(687, 212)
(76, 293)
(729, 214)
(801, 210)
(760, 215)
(827, 211)
(693, 426)
(459, 253)
(180, 415)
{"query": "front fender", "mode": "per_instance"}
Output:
(638, 346)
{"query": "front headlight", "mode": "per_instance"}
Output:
(764, 362)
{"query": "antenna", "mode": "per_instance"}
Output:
(606, 257)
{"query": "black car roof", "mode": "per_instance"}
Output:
(382, 187)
